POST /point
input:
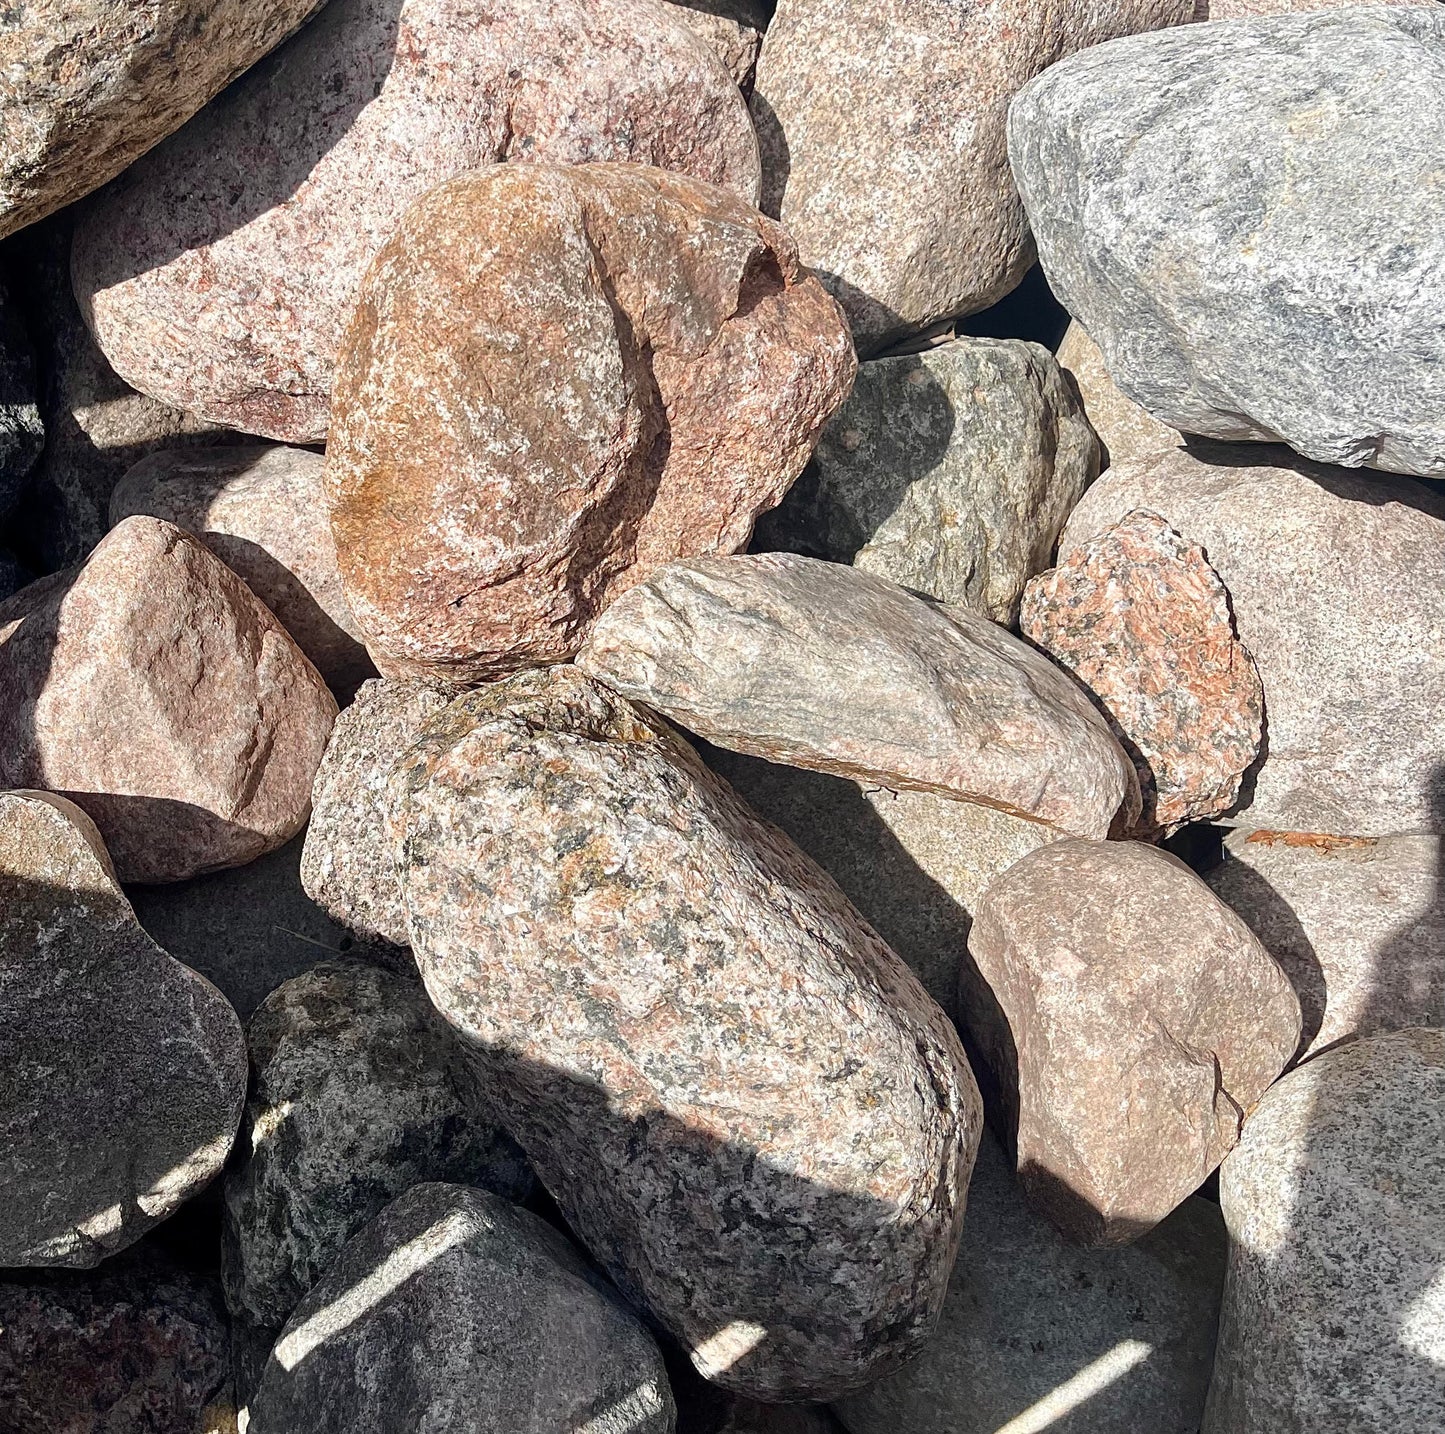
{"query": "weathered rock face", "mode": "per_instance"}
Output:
(1356, 923)
(548, 1347)
(950, 472)
(124, 1071)
(22, 435)
(1334, 1310)
(1322, 569)
(1123, 428)
(219, 272)
(262, 511)
(347, 866)
(1208, 202)
(733, 29)
(1142, 620)
(1105, 977)
(819, 665)
(1027, 1314)
(884, 147)
(742, 1101)
(93, 84)
(685, 366)
(1242, 9)
(154, 689)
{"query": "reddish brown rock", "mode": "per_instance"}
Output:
(1130, 1021)
(1142, 620)
(151, 687)
(623, 367)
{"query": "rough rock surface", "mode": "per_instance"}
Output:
(883, 136)
(262, 511)
(1140, 618)
(394, 1338)
(1130, 1020)
(743, 1102)
(124, 1072)
(22, 435)
(950, 472)
(1123, 428)
(347, 866)
(1245, 9)
(219, 272)
(642, 365)
(1334, 1309)
(151, 687)
(1357, 923)
(1027, 1315)
(1323, 571)
(819, 665)
(1248, 220)
(732, 28)
(93, 84)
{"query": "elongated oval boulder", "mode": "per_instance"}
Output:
(152, 687)
(1130, 1021)
(819, 665)
(741, 1099)
(1209, 201)
(219, 272)
(124, 1071)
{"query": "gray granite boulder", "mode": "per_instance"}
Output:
(454, 1310)
(1334, 1306)
(22, 435)
(950, 472)
(1247, 218)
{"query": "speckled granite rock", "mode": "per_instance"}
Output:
(650, 371)
(93, 84)
(1058, 1338)
(394, 1337)
(1140, 618)
(22, 435)
(1357, 923)
(1323, 571)
(137, 1347)
(1105, 977)
(950, 472)
(262, 511)
(219, 272)
(1123, 428)
(742, 1101)
(124, 1071)
(347, 866)
(153, 688)
(732, 28)
(882, 130)
(1334, 1309)
(1209, 202)
(1243, 9)
(821, 666)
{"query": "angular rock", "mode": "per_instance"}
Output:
(22, 435)
(1130, 1021)
(347, 866)
(644, 366)
(1142, 620)
(151, 687)
(1123, 428)
(219, 273)
(1210, 202)
(1029, 1319)
(818, 665)
(1334, 1309)
(395, 1337)
(742, 1101)
(733, 29)
(950, 472)
(1357, 923)
(124, 1072)
(1323, 572)
(882, 130)
(262, 511)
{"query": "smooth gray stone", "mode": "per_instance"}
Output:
(1249, 221)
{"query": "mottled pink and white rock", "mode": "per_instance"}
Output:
(623, 366)
(1125, 429)
(262, 511)
(1140, 618)
(154, 689)
(1130, 1021)
(219, 273)
(732, 28)
(743, 1102)
(820, 665)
